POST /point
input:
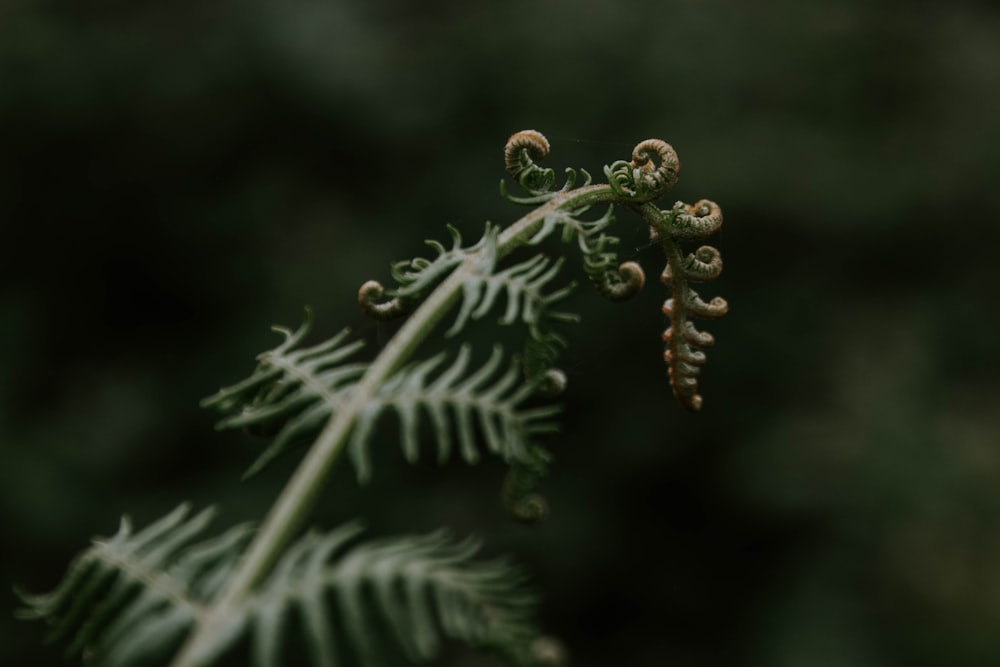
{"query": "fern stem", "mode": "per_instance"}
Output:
(299, 495)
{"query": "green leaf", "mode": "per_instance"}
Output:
(134, 598)
(457, 402)
(292, 392)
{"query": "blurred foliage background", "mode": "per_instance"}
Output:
(177, 176)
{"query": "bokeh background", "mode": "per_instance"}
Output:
(177, 176)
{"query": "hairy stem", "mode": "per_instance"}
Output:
(299, 495)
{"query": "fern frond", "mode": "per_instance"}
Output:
(614, 281)
(684, 342)
(417, 276)
(422, 589)
(131, 598)
(136, 594)
(292, 392)
(543, 196)
(653, 170)
(486, 397)
(524, 285)
(520, 154)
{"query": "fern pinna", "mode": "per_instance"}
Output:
(170, 594)
(148, 589)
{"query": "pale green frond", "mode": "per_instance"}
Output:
(613, 280)
(292, 392)
(420, 590)
(418, 275)
(459, 403)
(524, 286)
(134, 595)
(133, 599)
(543, 197)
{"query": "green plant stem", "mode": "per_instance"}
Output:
(300, 494)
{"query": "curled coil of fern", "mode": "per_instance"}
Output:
(133, 597)
(523, 150)
(522, 153)
(651, 173)
(702, 219)
(684, 342)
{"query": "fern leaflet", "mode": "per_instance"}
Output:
(137, 595)
(484, 397)
(292, 392)
(419, 275)
(617, 283)
(526, 301)
(295, 392)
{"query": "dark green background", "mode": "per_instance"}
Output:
(177, 176)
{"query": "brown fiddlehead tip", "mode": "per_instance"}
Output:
(653, 171)
(629, 281)
(684, 342)
(683, 363)
(524, 148)
(705, 263)
(368, 299)
(661, 174)
(520, 155)
(703, 218)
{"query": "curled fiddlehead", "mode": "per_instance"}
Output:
(684, 342)
(370, 300)
(615, 283)
(705, 263)
(627, 283)
(696, 221)
(521, 153)
(552, 382)
(652, 172)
